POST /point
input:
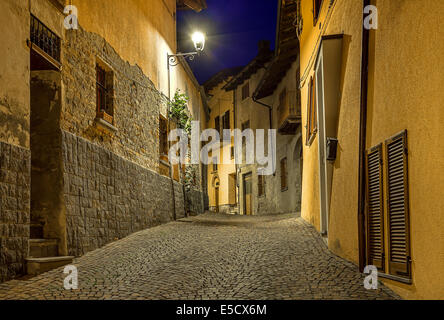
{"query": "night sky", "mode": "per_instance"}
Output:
(233, 29)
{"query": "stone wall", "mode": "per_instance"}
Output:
(195, 202)
(137, 103)
(14, 209)
(108, 197)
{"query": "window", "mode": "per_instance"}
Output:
(260, 186)
(246, 91)
(232, 152)
(226, 125)
(393, 192)
(217, 124)
(317, 4)
(284, 175)
(397, 197)
(163, 136)
(226, 120)
(312, 118)
(104, 89)
(375, 208)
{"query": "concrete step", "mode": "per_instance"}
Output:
(36, 266)
(41, 248)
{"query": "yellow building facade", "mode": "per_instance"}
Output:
(221, 177)
(393, 218)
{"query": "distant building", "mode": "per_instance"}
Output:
(222, 177)
(279, 89)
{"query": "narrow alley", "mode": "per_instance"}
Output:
(210, 256)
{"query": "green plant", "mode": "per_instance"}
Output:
(179, 111)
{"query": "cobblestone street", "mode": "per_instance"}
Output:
(208, 257)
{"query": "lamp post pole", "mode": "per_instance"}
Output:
(173, 61)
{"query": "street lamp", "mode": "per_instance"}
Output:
(198, 39)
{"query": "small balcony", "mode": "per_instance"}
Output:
(289, 112)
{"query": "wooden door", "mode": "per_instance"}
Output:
(247, 194)
(216, 197)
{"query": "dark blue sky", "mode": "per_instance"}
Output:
(233, 29)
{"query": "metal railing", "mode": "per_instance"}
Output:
(45, 39)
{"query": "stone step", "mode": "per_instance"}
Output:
(36, 266)
(41, 248)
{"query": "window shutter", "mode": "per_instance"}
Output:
(227, 120)
(217, 124)
(375, 208)
(260, 185)
(398, 206)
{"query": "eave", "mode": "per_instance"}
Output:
(196, 5)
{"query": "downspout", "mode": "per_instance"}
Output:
(169, 143)
(362, 142)
(270, 117)
(235, 162)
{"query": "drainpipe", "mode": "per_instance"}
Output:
(270, 117)
(362, 142)
(235, 163)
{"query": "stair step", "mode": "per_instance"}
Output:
(37, 266)
(41, 248)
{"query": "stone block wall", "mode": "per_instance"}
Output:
(195, 201)
(15, 166)
(107, 197)
(137, 103)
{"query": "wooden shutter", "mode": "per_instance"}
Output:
(398, 206)
(217, 124)
(375, 208)
(227, 120)
(260, 185)
(284, 185)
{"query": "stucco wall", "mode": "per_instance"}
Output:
(287, 146)
(406, 93)
(150, 33)
(220, 102)
(14, 73)
(344, 195)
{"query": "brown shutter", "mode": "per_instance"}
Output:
(398, 206)
(217, 124)
(227, 120)
(375, 208)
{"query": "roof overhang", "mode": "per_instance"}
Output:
(287, 50)
(196, 5)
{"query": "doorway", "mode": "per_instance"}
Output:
(322, 143)
(216, 199)
(247, 193)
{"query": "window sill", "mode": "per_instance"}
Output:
(100, 122)
(394, 278)
(285, 189)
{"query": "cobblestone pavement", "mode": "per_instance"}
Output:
(209, 257)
